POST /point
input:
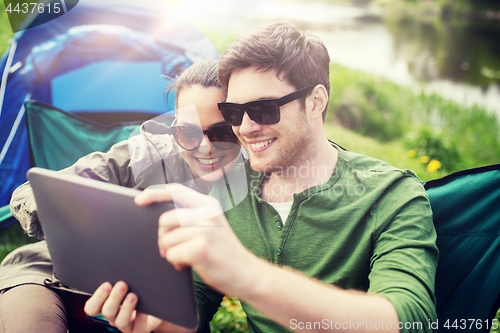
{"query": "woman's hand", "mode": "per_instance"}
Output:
(117, 305)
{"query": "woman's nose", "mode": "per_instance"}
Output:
(206, 146)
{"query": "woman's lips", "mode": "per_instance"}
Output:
(210, 164)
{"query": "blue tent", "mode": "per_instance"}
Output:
(107, 61)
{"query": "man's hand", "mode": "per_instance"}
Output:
(198, 235)
(117, 305)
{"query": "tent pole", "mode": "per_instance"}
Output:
(6, 71)
(13, 131)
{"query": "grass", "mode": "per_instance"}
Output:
(387, 112)
(391, 152)
(11, 238)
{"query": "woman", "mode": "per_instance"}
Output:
(31, 299)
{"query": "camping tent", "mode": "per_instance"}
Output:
(102, 60)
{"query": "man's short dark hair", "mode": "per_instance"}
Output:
(300, 58)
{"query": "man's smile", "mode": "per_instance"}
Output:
(261, 145)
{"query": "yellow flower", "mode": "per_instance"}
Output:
(412, 153)
(433, 166)
(424, 159)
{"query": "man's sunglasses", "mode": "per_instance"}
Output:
(190, 137)
(263, 112)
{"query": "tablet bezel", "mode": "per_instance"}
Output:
(96, 233)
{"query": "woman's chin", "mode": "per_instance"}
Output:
(216, 171)
(211, 177)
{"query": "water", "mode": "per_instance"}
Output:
(457, 59)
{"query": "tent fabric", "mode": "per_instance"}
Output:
(466, 212)
(47, 61)
(111, 67)
(5, 214)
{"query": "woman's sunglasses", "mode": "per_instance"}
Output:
(190, 137)
(263, 112)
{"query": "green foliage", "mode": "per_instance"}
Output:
(381, 109)
(220, 38)
(431, 142)
(367, 104)
(11, 238)
(5, 29)
(497, 317)
(439, 7)
(458, 49)
(230, 318)
(393, 152)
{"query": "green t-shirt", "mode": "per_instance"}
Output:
(368, 228)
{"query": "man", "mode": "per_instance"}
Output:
(325, 240)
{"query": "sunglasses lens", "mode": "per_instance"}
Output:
(222, 137)
(264, 112)
(232, 114)
(187, 137)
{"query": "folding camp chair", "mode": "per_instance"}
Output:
(57, 139)
(466, 208)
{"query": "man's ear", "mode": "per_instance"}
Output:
(316, 102)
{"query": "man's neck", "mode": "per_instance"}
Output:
(316, 170)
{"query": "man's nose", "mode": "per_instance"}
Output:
(248, 126)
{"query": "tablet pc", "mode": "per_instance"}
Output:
(96, 233)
